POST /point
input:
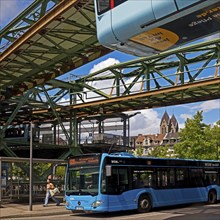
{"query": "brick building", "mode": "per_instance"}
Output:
(168, 135)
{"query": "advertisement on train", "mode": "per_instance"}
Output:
(182, 30)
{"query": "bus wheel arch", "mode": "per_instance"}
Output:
(212, 196)
(144, 203)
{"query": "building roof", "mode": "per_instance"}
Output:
(171, 136)
(165, 117)
(140, 138)
(155, 137)
(174, 121)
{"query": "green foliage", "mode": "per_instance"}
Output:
(161, 151)
(60, 172)
(198, 140)
(21, 170)
(139, 151)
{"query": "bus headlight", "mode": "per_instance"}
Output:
(96, 203)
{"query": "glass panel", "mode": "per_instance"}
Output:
(143, 178)
(103, 5)
(82, 181)
(118, 182)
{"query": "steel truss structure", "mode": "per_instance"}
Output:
(65, 38)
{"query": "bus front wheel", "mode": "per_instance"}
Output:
(144, 204)
(212, 197)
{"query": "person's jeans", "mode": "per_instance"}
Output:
(52, 197)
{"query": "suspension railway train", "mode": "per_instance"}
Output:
(143, 27)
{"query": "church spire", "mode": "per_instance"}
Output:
(164, 124)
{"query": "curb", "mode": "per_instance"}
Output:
(30, 214)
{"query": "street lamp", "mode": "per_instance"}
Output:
(31, 168)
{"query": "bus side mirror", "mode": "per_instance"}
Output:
(108, 170)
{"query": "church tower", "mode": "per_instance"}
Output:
(164, 124)
(174, 127)
(168, 125)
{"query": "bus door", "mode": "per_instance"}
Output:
(118, 189)
(164, 188)
(190, 186)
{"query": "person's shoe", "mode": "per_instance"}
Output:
(44, 205)
(58, 204)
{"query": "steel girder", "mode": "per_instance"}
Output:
(24, 21)
(61, 40)
(185, 75)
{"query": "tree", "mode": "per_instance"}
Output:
(197, 140)
(139, 151)
(160, 151)
(214, 135)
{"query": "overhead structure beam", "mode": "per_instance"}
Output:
(180, 76)
(43, 52)
(24, 21)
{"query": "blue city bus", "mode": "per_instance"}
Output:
(121, 181)
(143, 27)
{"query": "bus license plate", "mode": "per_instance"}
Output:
(79, 208)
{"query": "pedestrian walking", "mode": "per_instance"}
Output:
(50, 193)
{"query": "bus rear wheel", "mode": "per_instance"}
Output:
(144, 204)
(212, 197)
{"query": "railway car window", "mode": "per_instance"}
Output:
(118, 2)
(103, 6)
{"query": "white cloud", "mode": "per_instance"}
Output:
(181, 125)
(207, 106)
(185, 116)
(108, 86)
(147, 122)
(64, 101)
(105, 85)
(104, 64)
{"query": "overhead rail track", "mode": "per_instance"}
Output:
(59, 36)
(185, 75)
(52, 44)
(24, 21)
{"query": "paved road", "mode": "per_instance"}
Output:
(190, 212)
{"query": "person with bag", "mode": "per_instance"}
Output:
(50, 193)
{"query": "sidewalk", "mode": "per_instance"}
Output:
(12, 210)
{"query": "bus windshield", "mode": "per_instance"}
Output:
(82, 181)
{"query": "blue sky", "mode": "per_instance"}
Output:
(148, 121)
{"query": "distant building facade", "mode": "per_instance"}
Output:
(168, 135)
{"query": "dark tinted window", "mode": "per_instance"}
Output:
(103, 6)
(118, 2)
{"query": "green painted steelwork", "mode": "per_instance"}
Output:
(64, 39)
(24, 21)
(184, 75)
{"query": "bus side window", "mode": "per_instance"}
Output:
(180, 178)
(196, 177)
(171, 177)
(162, 178)
(211, 178)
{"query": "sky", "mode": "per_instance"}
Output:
(149, 120)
